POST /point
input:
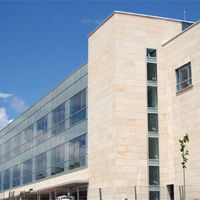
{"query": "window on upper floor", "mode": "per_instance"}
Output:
(77, 152)
(154, 178)
(183, 77)
(152, 122)
(151, 53)
(28, 137)
(16, 176)
(57, 159)
(40, 166)
(78, 107)
(151, 71)
(6, 179)
(41, 129)
(153, 148)
(27, 171)
(152, 97)
(0, 181)
(58, 119)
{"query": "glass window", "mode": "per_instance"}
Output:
(0, 181)
(152, 96)
(78, 107)
(28, 137)
(6, 179)
(154, 178)
(58, 119)
(7, 150)
(40, 166)
(154, 195)
(57, 160)
(17, 142)
(153, 122)
(151, 53)
(77, 152)
(153, 148)
(183, 77)
(16, 176)
(151, 72)
(27, 171)
(41, 129)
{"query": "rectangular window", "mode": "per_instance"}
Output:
(27, 171)
(58, 119)
(154, 178)
(28, 137)
(151, 53)
(57, 159)
(153, 122)
(17, 142)
(152, 97)
(40, 166)
(41, 129)
(16, 176)
(6, 179)
(77, 152)
(153, 148)
(78, 107)
(151, 71)
(0, 181)
(7, 150)
(154, 195)
(183, 77)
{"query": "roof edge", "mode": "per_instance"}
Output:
(176, 36)
(139, 15)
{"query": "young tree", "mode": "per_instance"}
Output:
(184, 154)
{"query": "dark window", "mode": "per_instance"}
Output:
(58, 119)
(152, 97)
(0, 181)
(6, 179)
(77, 152)
(16, 176)
(40, 166)
(78, 107)
(154, 178)
(151, 53)
(170, 189)
(153, 122)
(41, 129)
(154, 195)
(153, 148)
(183, 77)
(57, 160)
(151, 72)
(27, 171)
(28, 137)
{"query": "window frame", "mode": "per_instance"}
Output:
(178, 74)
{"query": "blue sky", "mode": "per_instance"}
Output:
(41, 42)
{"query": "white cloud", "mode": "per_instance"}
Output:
(4, 121)
(5, 95)
(18, 104)
(95, 22)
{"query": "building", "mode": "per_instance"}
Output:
(114, 124)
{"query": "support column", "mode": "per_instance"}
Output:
(51, 196)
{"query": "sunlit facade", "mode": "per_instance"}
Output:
(110, 130)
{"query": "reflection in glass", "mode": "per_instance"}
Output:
(151, 72)
(154, 195)
(153, 148)
(57, 160)
(41, 129)
(27, 171)
(16, 176)
(152, 97)
(77, 152)
(6, 179)
(154, 175)
(40, 166)
(58, 117)
(77, 107)
(153, 122)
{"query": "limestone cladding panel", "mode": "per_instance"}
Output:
(181, 110)
(117, 99)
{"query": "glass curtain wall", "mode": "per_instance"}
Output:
(16, 176)
(27, 171)
(40, 166)
(6, 179)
